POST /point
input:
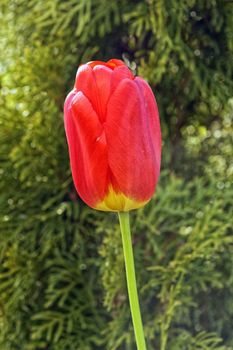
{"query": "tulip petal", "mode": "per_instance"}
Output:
(86, 119)
(130, 153)
(85, 82)
(120, 73)
(103, 83)
(95, 85)
(153, 117)
(92, 64)
(87, 146)
(115, 63)
(76, 159)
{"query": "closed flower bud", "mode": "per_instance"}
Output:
(113, 133)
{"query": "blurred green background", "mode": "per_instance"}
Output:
(62, 280)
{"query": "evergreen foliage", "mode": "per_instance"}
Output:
(62, 281)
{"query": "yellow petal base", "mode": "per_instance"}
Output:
(114, 201)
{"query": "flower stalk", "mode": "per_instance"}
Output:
(131, 280)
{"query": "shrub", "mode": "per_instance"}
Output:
(62, 284)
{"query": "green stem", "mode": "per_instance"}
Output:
(131, 280)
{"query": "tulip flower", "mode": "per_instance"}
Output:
(113, 133)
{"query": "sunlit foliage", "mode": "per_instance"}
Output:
(62, 281)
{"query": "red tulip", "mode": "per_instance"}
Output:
(113, 133)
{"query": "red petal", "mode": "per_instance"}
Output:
(95, 85)
(120, 73)
(87, 148)
(130, 151)
(92, 64)
(76, 159)
(103, 83)
(153, 117)
(115, 63)
(85, 117)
